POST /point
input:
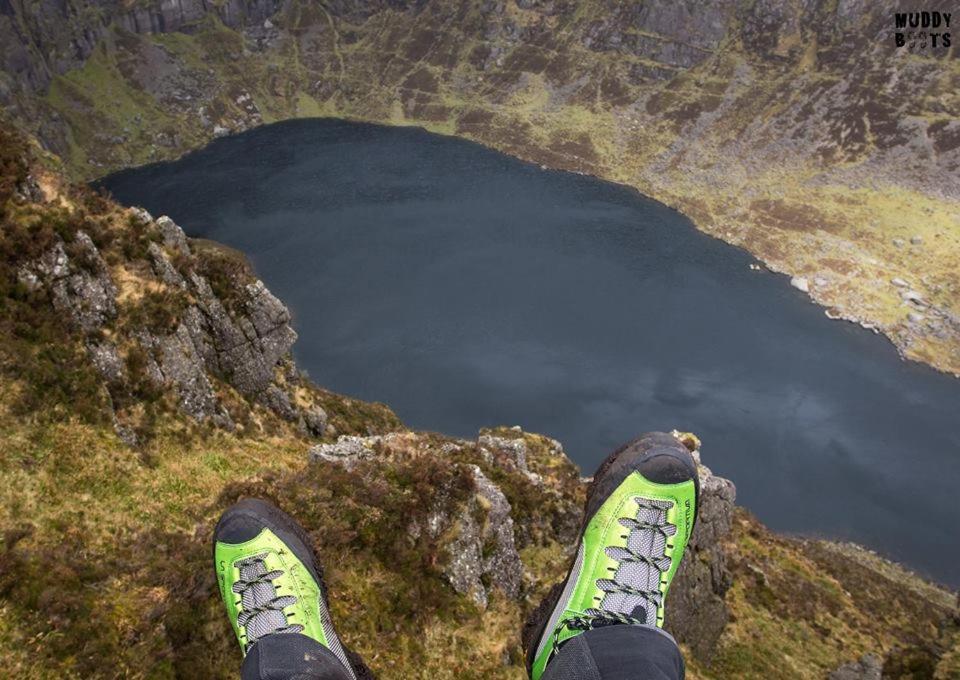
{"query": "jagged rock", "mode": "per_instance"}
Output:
(53, 265)
(280, 403)
(177, 362)
(869, 667)
(315, 420)
(173, 236)
(248, 349)
(464, 566)
(245, 348)
(515, 450)
(479, 550)
(346, 451)
(271, 321)
(163, 267)
(106, 360)
(142, 214)
(196, 324)
(800, 283)
(502, 564)
(81, 290)
(698, 612)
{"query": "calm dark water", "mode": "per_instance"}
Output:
(465, 288)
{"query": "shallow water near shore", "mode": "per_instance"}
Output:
(466, 289)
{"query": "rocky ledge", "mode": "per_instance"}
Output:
(480, 538)
(175, 328)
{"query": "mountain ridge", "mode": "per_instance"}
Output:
(797, 131)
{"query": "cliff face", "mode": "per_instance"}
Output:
(797, 130)
(156, 319)
(147, 385)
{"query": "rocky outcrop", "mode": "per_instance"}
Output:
(481, 553)
(698, 611)
(163, 268)
(869, 667)
(477, 532)
(513, 451)
(668, 33)
(347, 450)
(175, 361)
(246, 347)
(61, 36)
(80, 288)
(480, 533)
(196, 348)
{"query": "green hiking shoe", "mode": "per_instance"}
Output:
(640, 512)
(269, 578)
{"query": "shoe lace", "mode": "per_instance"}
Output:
(261, 609)
(650, 521)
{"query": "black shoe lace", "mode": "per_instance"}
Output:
(598, 618)
(250, 617)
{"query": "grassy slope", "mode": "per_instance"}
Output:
(107, 558)
(105, 568)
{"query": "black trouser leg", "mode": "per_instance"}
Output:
(618, 653)
(291, 656)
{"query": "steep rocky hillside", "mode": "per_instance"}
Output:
(795, 129)
(147, 384)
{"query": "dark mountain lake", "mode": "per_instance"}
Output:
(466, 288)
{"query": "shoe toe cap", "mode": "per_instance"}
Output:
(668, 465)
(241, 523)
